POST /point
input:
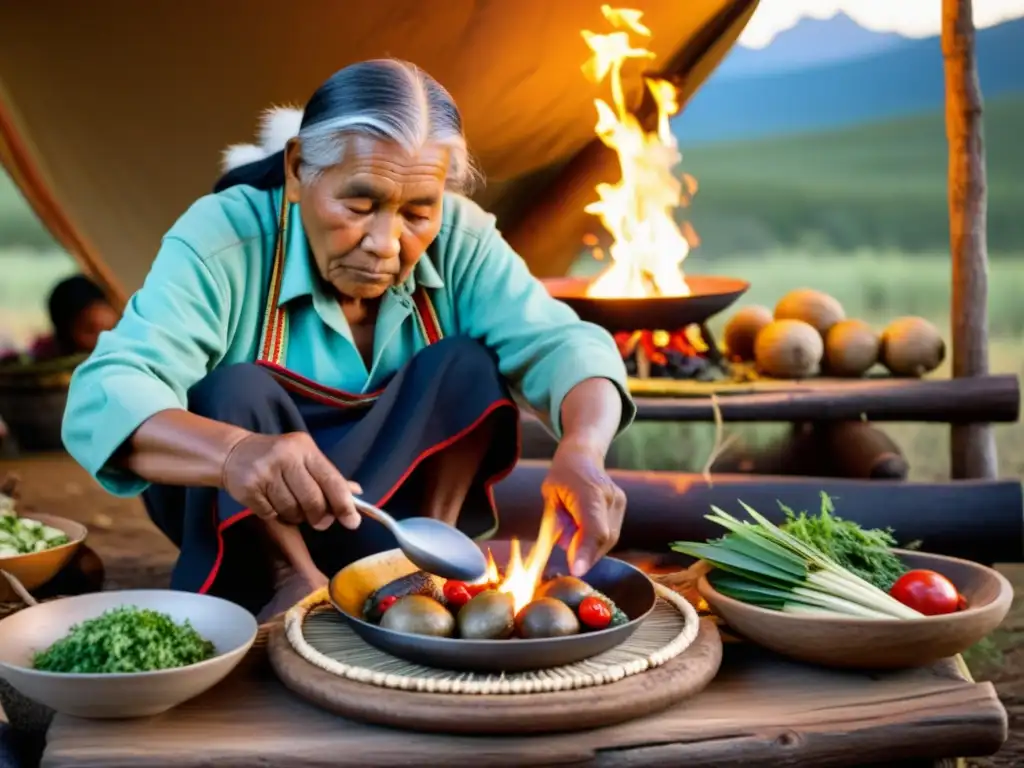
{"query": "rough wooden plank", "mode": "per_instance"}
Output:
(972, 446)
(975, 399)
(760, 710)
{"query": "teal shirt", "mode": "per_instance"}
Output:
(202, 306)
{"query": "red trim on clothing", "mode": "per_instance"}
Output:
(427, 315)
(320, 392)
(488, 484)
(448, 443)
(221, 528)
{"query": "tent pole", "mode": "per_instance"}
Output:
(972, 446)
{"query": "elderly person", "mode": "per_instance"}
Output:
(335, 320)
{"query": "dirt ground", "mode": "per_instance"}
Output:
(136, 555)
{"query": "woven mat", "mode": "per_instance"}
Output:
(323, 638)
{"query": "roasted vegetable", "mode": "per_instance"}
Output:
(546, 617)
(488, 616)
(418, 583)
(568, 589)
(419, 615)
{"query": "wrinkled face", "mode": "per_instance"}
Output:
(90, 323)
(370, 218)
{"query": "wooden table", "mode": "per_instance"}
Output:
(760, 710)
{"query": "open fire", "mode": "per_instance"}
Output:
(661, 354)
(648, 247)
(523, 576)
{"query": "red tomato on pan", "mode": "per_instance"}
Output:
(927, 592)
(594, 612)
(456, 593)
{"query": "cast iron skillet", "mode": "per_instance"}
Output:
(631, 590)
(710, 295)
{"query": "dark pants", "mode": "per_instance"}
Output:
(444, 393)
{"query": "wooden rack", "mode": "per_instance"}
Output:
(977, 399)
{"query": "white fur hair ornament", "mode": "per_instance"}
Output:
(277, 126)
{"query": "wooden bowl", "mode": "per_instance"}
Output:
(36, 569)
(877, 643)
(230, 628)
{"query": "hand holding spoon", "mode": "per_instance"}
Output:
(431, 545)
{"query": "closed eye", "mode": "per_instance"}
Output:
(361, 206)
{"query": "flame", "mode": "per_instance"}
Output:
(648, 247)
(523, 576)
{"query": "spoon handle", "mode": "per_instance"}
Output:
(374, 513)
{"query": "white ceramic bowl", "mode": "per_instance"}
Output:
(229, 627)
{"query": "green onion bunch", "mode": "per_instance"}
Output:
(761, 564)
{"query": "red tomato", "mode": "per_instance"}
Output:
(387, 602)
(927, 592)
(961, 603)
(594, 612)
(456, 593)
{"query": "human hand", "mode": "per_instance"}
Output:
(286, 477)
(578, 484)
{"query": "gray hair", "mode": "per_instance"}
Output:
(386, 99)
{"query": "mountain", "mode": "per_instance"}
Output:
(809, 42)
(880, 185)
(903, 80)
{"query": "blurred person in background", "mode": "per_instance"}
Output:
(79, 312)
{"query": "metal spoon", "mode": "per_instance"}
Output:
(431, 545)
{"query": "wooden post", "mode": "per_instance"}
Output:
(972, 446)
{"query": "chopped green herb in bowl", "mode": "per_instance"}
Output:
(125, 640)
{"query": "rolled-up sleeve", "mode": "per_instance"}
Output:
(541, 344)
(172, 333)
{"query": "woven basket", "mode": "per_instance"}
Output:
(32, 400)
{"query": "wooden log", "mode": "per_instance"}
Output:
(972, 446)
(977, 520)
(851, 449)
(860, 450)
(979, 399)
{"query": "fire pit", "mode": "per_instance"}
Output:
(689, 351)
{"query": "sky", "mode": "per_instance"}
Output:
(912, 18)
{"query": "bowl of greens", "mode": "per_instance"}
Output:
(124, 654)
(823, 590)
(35, 548)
